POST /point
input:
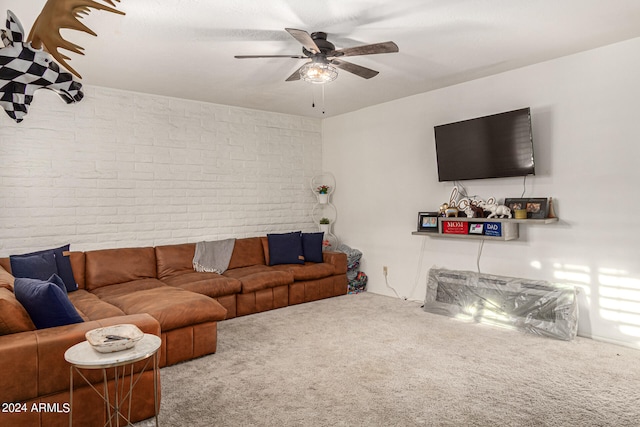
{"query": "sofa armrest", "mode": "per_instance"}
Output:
(35, 359)
(337, 259)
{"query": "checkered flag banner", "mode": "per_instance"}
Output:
(23, 70)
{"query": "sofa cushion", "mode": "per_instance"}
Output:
(13, 317)
(258, 277)
(337, 259)
(312, 246)
(310, 271)
(174, 259)
(265, 280)
(210, 284)
(29, 266)
(285, 248)
(238, 273)
(90, 307)
(47, 303)
(112, 266)
(106, 292)
(173, 307)
(247, 252)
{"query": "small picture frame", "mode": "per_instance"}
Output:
(536, 208)
(428, 221)
(476, 228)
(514, 204)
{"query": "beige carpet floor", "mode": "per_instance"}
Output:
(370, 360)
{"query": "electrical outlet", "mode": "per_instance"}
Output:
(385, 270)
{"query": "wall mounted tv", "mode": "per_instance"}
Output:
(495, 146)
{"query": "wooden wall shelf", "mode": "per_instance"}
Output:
(509, 228)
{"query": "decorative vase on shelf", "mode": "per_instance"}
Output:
(552, 212)
(323, 198)
(323, 192)
(325, 226)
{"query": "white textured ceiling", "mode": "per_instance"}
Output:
(186, 48)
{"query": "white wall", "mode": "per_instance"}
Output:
(587, 145)
(125, 169)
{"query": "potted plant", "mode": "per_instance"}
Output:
(323, 194)
(324, 225)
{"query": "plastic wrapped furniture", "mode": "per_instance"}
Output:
(357, 279)
(534, 306)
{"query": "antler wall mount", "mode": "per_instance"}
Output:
(27, 63)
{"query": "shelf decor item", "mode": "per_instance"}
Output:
(114, 338)
(455, 227)
(520, 213)
(325, 225)
(323, 194)
(515, 204)
(497, 211)
(536, 207)
(493, 229)
(428, 221)
(476, 228)
(551, 212)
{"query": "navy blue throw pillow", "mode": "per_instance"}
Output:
(47, 304)
(285, 248)
(62, 263)
(39, 265)
(56, 280)
(312, 246)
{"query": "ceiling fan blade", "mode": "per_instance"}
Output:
(358, 70)
(269, 56)
(367, 49)
(295, 76)
(305, 39)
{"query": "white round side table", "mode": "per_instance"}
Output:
(83, 356)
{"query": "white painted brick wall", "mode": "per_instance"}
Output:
(123, 169)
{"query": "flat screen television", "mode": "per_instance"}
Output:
(495, 146)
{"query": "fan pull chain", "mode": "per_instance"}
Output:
(313, 98)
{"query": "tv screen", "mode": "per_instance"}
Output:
(496, 146)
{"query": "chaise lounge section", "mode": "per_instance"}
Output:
(126, 278)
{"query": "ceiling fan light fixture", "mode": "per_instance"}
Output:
(318, 72)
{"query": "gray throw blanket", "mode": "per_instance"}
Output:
(214, 256)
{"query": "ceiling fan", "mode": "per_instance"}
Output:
(325, 58)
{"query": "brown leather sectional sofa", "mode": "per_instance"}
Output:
(157, 289)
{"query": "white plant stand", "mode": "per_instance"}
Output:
(325, 209)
